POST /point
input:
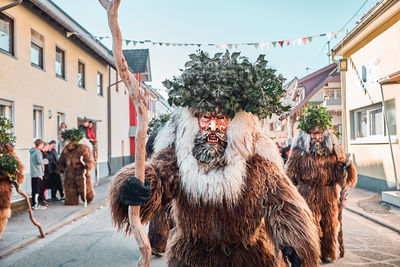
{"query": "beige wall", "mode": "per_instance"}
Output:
(382, 56)
(28, 86)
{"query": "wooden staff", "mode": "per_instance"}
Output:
(42, 234)
(140, 101)
(84, 180)
(342, 202)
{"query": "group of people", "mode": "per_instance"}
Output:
(284, 149)
(222, 182)
(44, 175)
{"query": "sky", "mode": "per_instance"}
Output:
(223, 21)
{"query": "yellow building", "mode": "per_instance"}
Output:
(47, 78)
(371, 51)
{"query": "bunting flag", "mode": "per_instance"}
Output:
(261, 45)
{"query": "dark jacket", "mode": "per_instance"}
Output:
(285, 153)
(84, 130)
(53, 159)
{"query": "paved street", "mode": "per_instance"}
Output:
(92, 241)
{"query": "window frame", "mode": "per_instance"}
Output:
(11, 105)
(62, 76)
(99, 86)
(40, 66)
(11, 35)
(83, 86)
(39, 126)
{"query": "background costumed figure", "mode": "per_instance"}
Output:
(320, 169)
(11, 173)
(231, 202)
(76, 161)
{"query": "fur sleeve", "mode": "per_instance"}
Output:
(62, 162)
(87, 157)
(351, 173)
(288, 218)
(162, 173)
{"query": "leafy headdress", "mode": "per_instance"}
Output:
(156, 123)
(8, 162)
(74, 135)
(230, 83)
(314, 115)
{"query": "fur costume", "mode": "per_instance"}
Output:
(319, 179)
(6, 188)
(70, 164)
(241, 214)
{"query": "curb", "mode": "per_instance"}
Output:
(393, 228)
(68, 220)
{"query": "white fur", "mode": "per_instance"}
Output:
(329, 141)
(244, 140)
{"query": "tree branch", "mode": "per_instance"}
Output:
(141, 104)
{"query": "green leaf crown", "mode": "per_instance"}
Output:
(314, 115)
(230, 83)
(74, 135)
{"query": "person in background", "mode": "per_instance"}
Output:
(37, 164)
(61, 141)
(84, 128)
(45, 186)
(286, 150)
(54, 176)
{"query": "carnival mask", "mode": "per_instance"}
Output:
(316, 141)
(210, 142)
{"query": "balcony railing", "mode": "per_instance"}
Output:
(333, 102)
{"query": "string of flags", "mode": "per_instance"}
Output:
(261, 45)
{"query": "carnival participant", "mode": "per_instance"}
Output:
(317, 164)
(232, 204)
(76, 161)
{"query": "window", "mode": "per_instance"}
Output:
(6, 34)
(369, 121)
(364, 73)
(99, 84)
(277, 126)
(37, 122)
(81, 75)
(37, 43)
(6, 109)
(60, 63)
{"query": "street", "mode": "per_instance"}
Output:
(92, 241)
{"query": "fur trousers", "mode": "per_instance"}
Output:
(74, 186)
(159, 227)
(5, 203)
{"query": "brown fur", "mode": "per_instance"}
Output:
(319, 179)
(6, 189)
(159, 228)
(69, 164)
(269, 216)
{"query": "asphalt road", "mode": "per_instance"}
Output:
(92, 241)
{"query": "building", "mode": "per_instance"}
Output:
(47, 78)
(367, 54)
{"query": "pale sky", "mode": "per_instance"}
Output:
(223, 21)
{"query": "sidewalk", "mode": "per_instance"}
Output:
(20, 231)
(369, 205)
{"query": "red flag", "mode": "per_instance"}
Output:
(304, 40)
(287, 42)
(281, 43)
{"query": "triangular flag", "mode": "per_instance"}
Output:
(185, 44)
(335, 34)
(287, 42)
(281, 43)
(268, 45)
(179, 45)
(329, 35)
(198, 45)
(230, 46)
(310, 38)
(134, 43)
(127, 42)
(101, 38)
(262, 45)
(304, 40)
(274, 44)
(167, 44)
(298, 40)
(142, 42)
(154, 43)
(160, 44)
(236, 46)
(256, 45)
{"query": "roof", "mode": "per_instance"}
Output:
(365, 28)
(137, 59)
(63, 22)
(315, 82)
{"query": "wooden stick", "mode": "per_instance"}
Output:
(140, 101)
(84, 181)
(42, 234)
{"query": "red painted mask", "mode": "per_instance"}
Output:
(215, 123)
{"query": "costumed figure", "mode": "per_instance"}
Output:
(231, 202)
(76, 161)
(318, 165)
(11, 173)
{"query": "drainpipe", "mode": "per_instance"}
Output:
(16, 3)
(109, 117)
